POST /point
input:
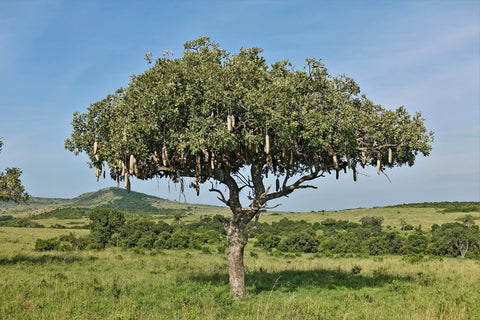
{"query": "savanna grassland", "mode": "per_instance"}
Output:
(123, 283)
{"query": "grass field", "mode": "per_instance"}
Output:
(393, 216)
(175, 284)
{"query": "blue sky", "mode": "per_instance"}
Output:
(58, 56)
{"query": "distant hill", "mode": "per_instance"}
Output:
(111, 198)
(121, 199)
(136, 202)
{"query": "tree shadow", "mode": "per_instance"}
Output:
(292, 280)
(43, 259)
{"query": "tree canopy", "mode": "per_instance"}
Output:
(234, 119)
(10, 184)
(209, 114)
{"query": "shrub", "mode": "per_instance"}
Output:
(104, 223)
(416, 243)
(356, 269)
(222, 248)
(394, 242)
(206, 250)
(377, 246)
(70, 240)
(454, 239)
(22, 223)
(147, 240)
(209, 236)
(372, 221)
(47, 244)
(162, 241)
(328, 245)
(299, 242)
(339, 224)
(412, 257)
(267, 241)
(180, 239)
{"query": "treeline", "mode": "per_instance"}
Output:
(369, 237)
(466, 206)
(328, 238)
(75, 213)
(111, 228)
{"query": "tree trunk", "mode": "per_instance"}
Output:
(236, 243)
(463, 248)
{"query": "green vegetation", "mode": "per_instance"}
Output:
(11, 188)
(446, 206)
(349, 264)
(189, 284)
(64, 213)
(109, 198)
(233, 119)
(328, 238)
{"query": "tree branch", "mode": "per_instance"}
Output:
(286, 190)
(222, 197)
(275, 206)
(257, 216)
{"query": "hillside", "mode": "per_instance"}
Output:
(112, 198)
(425, 214)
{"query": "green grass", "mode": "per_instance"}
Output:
(424, 216)
(134, 203)
(117, 284)
(112, 198)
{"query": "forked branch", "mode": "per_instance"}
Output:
(286, 190)
(221, 197)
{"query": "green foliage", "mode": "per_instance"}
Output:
(330, 237)
(356, 269)
(147, 240)
(214, 223)
(65, 213)
(121, 200)
(74, 242)
(104, 224)
(181, 239)
(377, 246)
(6, 218)
(462, 207)
(468, 220)
(47, 244)
(208, 113)
(453, 206)
(413, 257)
(267, 240)
(343, 238)
(10, 184)
(299, 242)
(21, 223)
(58, 226)
(338, 224)
(141, 233)
(372, 221)
(132, 204)
(286, 226)
(416, 243)
(455, 239)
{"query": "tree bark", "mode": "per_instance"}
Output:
(236, 271)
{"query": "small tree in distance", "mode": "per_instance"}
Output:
(11, 186)
(232, 120)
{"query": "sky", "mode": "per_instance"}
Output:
(59, 56)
